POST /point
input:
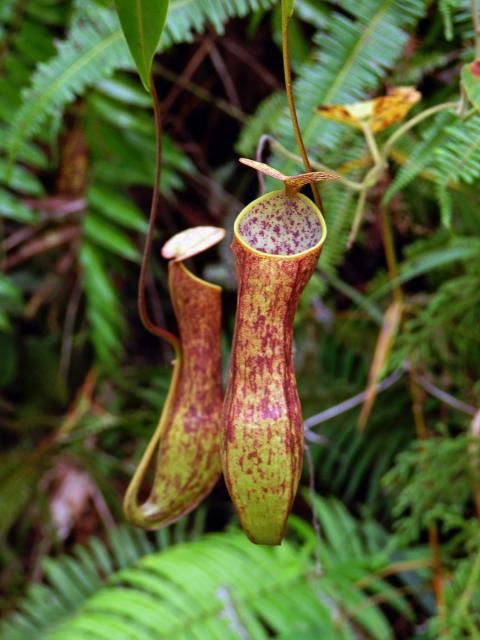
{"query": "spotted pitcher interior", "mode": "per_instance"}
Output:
(281, 226)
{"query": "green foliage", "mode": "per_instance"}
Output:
(94, 49)
(463, 601)
(90, 54)
(288, 7)
(455, 303)
(339, 204)
(449, 492)
(350, 59)
(462, 142)
(420, 153)
(219, 586)
(81, 67)
(447, 8)
(77, 154)
(142, 24)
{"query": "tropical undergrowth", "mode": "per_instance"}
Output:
(396, 550)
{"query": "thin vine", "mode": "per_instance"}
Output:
(291, 101)
(147, 251)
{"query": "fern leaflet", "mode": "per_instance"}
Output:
(95, 48)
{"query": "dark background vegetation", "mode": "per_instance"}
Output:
(82, 383)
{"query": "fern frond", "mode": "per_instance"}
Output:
(186, 18)
(445, 203)
(458, 157)
(264, 120)
(447, 9)
(209, 588)
(29, 31)
(360, 46)
(457, 160)
(463, 26)
(312, 12)
(462, 595)
(448, 492)
(456, 302)
(128, 156)
(95, 48)
(421, 153)
(353, 463)
(103, 306)
(13, 209)
(339, 207)
(72, 579)
(91, 54)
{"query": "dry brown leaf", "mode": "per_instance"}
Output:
(191, 242)
(386, 338)
(293, 184)
(297, 182)
(72, 494)
(475, 428)
(474, 454)
(264, 168)
(378, 113)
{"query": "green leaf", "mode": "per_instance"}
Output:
(460, 250)
(124, 91)
(471, 82)
(5, 325)
(12, 208)
(289, 7)
(109, 237)
(21, 179)
(142, 24)
(116, 207)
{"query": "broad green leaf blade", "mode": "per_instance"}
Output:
(471, 82)
(142, 24)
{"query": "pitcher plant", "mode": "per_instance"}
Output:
(187, 439)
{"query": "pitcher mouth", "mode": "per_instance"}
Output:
(278, 226)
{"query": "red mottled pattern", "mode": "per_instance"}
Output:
(281, 226)
(475, 68)
(263, 426)
(188, 461)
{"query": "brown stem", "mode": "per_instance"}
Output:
(433, 539)
(224, 76)
(474, 455)
(291, 105)
(389, 249)
(142, 300)
(47, 242)
(200, 92)
(68, 327)
(264, 140)
(187, 74)
(248, 59)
